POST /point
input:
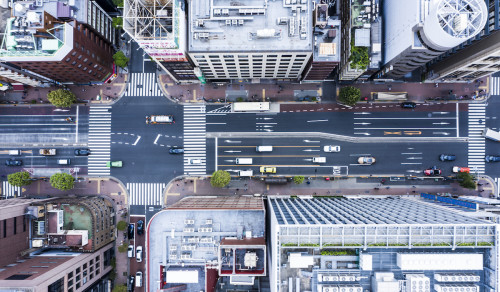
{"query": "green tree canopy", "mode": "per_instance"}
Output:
(117, 22)
(220, 178)
(359, 58)
(19, 179)
(61, 98)
(298, 179)
(349, 95)
(121, 225)
(118, 3)
(120, 288)
(466, 180)
(62, 181)
(120, 59)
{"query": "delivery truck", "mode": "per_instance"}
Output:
(48, 152)
(159, 119)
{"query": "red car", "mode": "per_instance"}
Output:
(432, 171)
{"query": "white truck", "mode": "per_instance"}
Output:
(159, 119)
(319, 160)
(48, 152)
(490, 134)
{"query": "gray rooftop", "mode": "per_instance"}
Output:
(250, 25)
(327, 41)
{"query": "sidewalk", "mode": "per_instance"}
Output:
(84, 93)
(177, 189)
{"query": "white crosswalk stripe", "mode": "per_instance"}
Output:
(195, 141)
(143, 84)
(476, 152)
(99, 140)
(495, 85)
(222, 109)
(146, 193)
(10, 191)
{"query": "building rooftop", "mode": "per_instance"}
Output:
(214, 202)
(250, 25)
(326, 36)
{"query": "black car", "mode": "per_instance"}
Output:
(447, 157)
(13, 162)
(492, 158)
(408, 104)
(130, 231)
(175, 150)
(131, 282)
(140, 227)
(82, 152)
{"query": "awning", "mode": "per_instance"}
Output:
(18, 87)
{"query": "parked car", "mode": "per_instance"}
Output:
(447, 157)
(13, 162)
(331, 148)
(131, 282)
(130, 251)
(432, 171)
(140, 227)
(267, 169)
(175, 150)
(114, 164)
(492, 158)
(408, 104)
(130, 231)
(368, 160)
(82, 152)
(138, 253)
(457, 169)
(138, 279)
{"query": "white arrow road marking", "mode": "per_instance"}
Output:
(310, 150)
(315, 121)
(364, 124)
(231, 141)
(309, 141)
(366, 134)
(232, 151)
(137, 141)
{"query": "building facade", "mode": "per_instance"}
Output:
(475, 58)
(419, 31)
(272, 41)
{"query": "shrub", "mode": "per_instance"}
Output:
(298, 179)
(220, 178)
(123, 247)
(121, 225)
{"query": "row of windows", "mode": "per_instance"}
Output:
(250, 76)
(246, 56)
(15, 227)
(84, 273)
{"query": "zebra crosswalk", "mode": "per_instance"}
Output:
(143, 84)
(195, 142)
(495, 85)
(10, 191)
(476, 151)
(146, 193)
(99, 140)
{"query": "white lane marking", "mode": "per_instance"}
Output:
(136, 141)
(157, 137)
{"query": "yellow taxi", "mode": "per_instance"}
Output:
(267, 169)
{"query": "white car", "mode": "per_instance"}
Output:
(138, 253)
(331, 148)
(195, 161)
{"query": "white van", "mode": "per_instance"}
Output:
(63, 161)
(264, 148)
(138, 279)
(319, 159)
(14, 152)
(244, 160)
(246, 173)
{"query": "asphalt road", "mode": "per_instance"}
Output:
(293, 156)
(428, 121)
(492, 147)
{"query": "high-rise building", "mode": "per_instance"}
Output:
(418, 31)
(250, 39)
(55, 244)
(380, 244)
(200, 239)
(160, 29)
(64, 42)
(361, 41)
(475, 58)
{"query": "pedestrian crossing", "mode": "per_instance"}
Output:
(476, 151)
(195, 143)
(222, 109)
(494, 85)
(10, 191)
(143, 84)
(99, 140)
(146, 193)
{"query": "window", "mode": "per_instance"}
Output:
(57, 286)
(67, 59)
(73, 63)
(79, 66)
(78, 270)
(15, 225)
(84, 69)
(85, 60)
(70, 275)
(73, 54)
(80, 57)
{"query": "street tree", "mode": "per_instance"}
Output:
(118, 3)
(466, 180)
(61, 98)
(120, 59)
(121, 225)
(19, 179)
(220, 178)
(349, 95)
(62, 181)
(120, 288)
(117, 22)
(298, 179)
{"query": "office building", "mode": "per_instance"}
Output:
(160, 29)
(473, 59)
(326, 47)
(250, 39)
(361, 41)
(56, 244)
(380, 244)
(63, 42)
(199, 241)
(418, 31)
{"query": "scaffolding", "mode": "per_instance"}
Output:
(148, 19)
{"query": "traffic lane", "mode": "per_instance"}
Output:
(239, 122)
(492, 148)
(139, 240)
(368, 106)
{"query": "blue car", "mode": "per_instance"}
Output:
(447, 157)
(130, 231)
(175, 150)
(82, 152)
(140, 227)
(492, 158)
(13, 162)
